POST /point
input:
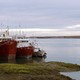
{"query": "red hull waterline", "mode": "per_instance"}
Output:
(8, 49)
(25, 52)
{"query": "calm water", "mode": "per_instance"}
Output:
(65, 50)
(73, 75)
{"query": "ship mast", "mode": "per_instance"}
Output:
(7, 31)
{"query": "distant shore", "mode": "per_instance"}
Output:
(36, 71)
(54, 37)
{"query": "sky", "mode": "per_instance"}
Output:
(62, 16)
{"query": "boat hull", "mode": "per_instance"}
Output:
(8, 49)
(39, 53)
(25, 52)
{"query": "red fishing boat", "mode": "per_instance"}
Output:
(8, 49)
(25, 51)
(29, 50)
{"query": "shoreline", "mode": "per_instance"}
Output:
(37, 71)
(44, 37)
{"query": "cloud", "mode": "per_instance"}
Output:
(73, 26)
(40, 13)
(43, 32)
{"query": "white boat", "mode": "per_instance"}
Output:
(39, 53)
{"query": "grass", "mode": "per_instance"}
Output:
(36, 71)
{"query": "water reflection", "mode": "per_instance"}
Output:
(30, 60)
(24, 60)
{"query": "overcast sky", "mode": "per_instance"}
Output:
(52, 14)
